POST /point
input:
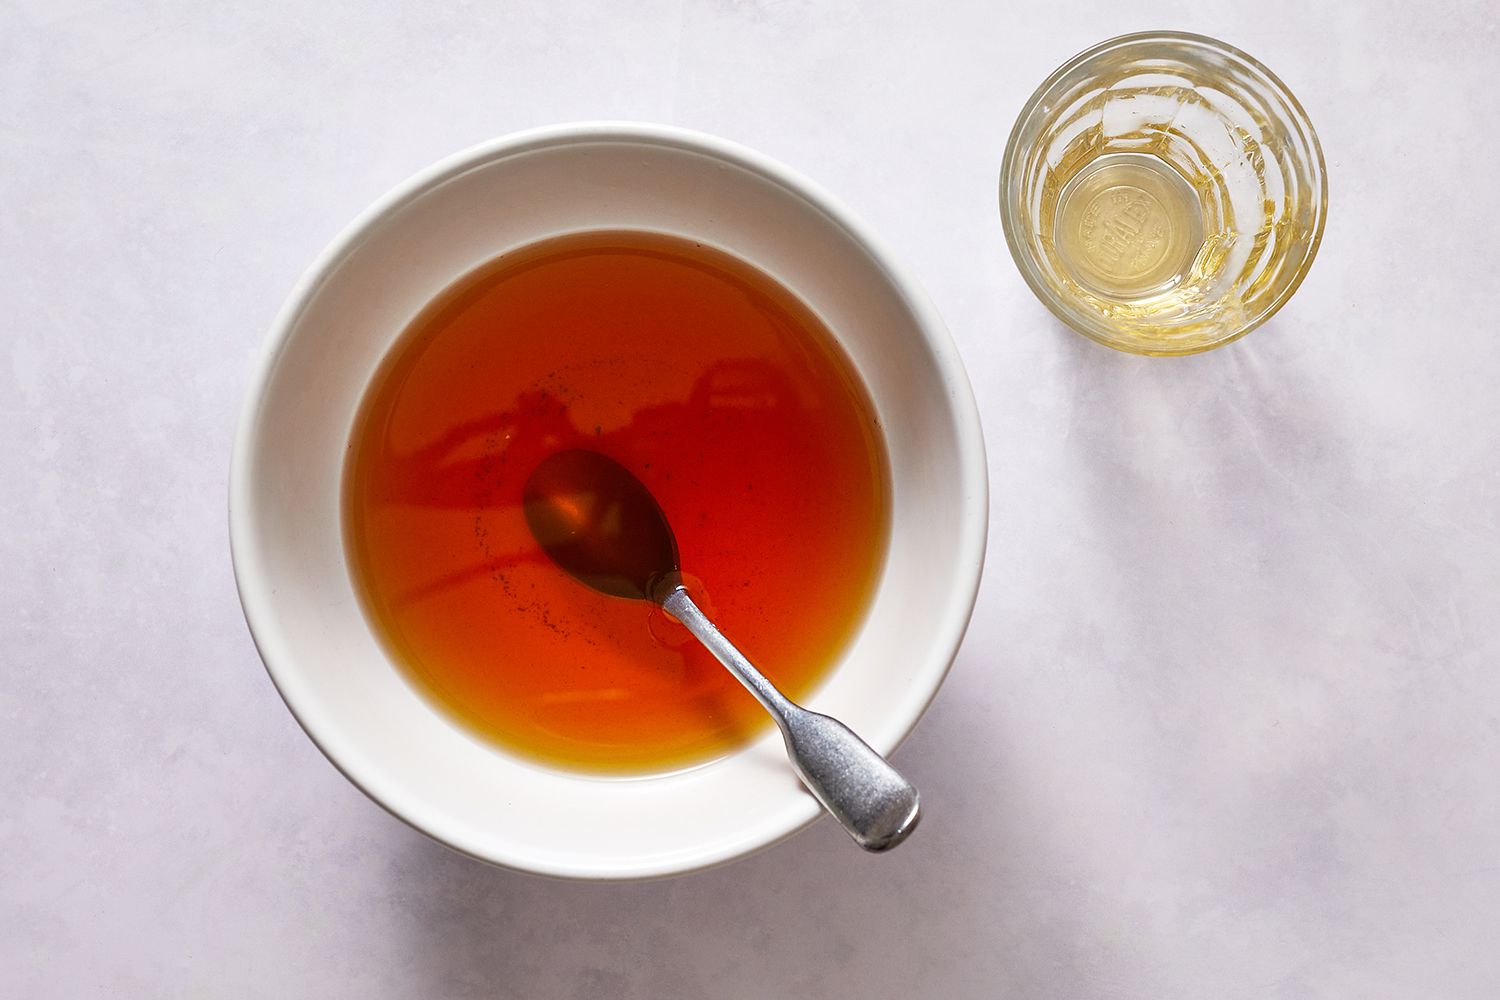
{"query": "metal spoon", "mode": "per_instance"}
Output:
(600, 524)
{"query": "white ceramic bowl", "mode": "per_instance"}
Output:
(284, 497)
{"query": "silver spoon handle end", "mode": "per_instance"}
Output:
(859, 787)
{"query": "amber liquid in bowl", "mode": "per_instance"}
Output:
(711, 382)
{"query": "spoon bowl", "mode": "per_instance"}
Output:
(603, 527)
(600, 524)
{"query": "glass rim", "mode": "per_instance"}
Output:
(1298, 119)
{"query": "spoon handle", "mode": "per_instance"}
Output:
(859, 787)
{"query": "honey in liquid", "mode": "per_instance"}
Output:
(714, 385)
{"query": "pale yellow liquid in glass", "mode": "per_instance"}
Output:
(1128, 226)
(1163, 194)
(1172, 230)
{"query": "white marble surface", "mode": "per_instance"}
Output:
(1227, 724)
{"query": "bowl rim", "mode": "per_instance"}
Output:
(245, 543)
(1304, 123)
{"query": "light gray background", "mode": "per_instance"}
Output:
(1227, 723)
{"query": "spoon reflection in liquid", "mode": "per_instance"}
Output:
(598, 522)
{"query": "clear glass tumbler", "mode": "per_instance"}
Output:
(1163, 193)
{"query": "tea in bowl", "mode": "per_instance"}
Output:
(695, 312)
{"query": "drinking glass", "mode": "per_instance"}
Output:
(1163, 193)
